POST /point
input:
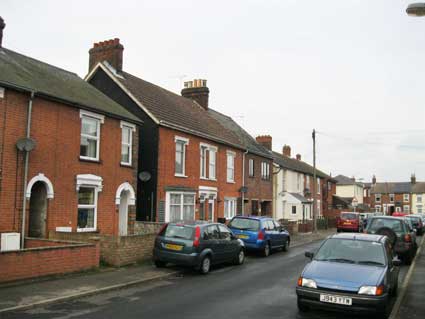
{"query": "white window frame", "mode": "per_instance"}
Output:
(419, 209)
(204, 163)
(265, 171)
(406, 208)
(406, 198)
(393, 198)
(100, 119)
(212, 150)
(376, 198)
(319, 208)
(185, 142)
(419, 198)
(377, 208)
(307, 181)
(318, 185)
(230, 204)
(131, 128)
(292, 212)
(230, 178)
(168, 204)
(89, 181)
(398, 209)
(251, 167)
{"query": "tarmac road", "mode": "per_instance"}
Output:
(261, 288)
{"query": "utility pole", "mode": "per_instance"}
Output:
(314, 183)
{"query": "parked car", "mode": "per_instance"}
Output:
(260, 233)
(351, 273)
(197, 244)
(349, 221)
(364, 217)
(399, 233)
(417, 223)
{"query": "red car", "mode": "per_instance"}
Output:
(399, 214)
(349, 221)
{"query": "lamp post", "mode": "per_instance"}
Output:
(354, 203)
(416, 9)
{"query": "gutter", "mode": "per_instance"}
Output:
(243, 182)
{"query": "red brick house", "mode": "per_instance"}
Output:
(191, 163)
(75, 149)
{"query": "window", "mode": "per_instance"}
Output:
(212, 163)
(90, 135)
(294, 210)
(391, 198)
(284, 181)
(127, 130)
(211, 232)
(319, 210)
(329, 186)
(224, 232)
(298, 181)
(377, 208)
(406, 208)
(378, 198)
(419, 208)
(87, 202)
(419, 198)
(230, 166)
(208, 160)
(406, 198)
(318, 185)
(307, 181)
(181, 206)
(180, 162)
(265, 170)
(204, 161)
(229, 208)
(251, 167)
(398, 209)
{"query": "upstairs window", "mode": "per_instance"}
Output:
(127, 130)
(419, 198)
(406, 197)
(265, 170)
(231, 166)
(318, 185)
(378, 198)
(391, 198)
(208, 159)
(251, 167)
(90, 135)
(180, 160)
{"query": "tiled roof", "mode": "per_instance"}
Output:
(245, 139)
(296, 165)
(391, 188)
(301, 198)
(418, 188)
(176, 111)
(345, 180)
(20, 71)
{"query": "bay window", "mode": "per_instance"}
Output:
(181, 206)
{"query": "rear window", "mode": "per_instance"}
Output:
(414, 219)
(348, 216)
(245, 224)
(394, 224)
(177, 231)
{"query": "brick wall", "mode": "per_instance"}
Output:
(385, 199)
(56, 130)
(44, 261)
(166, 169)
(146, 228)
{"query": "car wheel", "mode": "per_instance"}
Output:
(205, 265)
(301, 306)
(160, 264)
(240, 258)
(394, 291)
(386, 312)
(286, 245)
(266, 250)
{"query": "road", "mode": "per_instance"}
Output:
(261, 288)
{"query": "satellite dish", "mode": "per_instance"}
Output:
(25, 144)
(144, 176)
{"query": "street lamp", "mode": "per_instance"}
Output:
(416, 9)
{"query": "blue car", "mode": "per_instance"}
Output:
(352, 273)
(260, 233)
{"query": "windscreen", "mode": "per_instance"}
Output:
(245, 224)
(348, 216)
(177, 231)
(377, 223)
(352, 251)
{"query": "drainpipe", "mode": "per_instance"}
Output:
(243, 182)
(27, 155)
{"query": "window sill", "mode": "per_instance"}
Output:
(180, 175)
(86, 230)
(230, 182)
(204, 178)
(126, 165)
(89, 160)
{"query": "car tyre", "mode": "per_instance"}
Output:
(160, 264)
(205, 266)
(266, 250)
(240, 258)
(408, 258)
(286, 245)
(301, 306)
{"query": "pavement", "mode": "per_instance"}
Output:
(39, 293)
(411, 298)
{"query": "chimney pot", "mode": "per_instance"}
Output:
(2, 26)
(198, 91)
(298, 156)
(373, 179)
(286, 150)
(110, 51)
(265, 140)
(413, 179)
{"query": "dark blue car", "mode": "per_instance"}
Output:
(260, 233)
(350, 272)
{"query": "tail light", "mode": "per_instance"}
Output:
(197, 237)
(407, 238)
(162, 230)
(260, 235)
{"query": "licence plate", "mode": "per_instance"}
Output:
(340, 300)
(347, 223)
(174, 247)
(243, 236)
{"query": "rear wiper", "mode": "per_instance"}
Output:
(341, 260)
(177, 236)
(370, 262)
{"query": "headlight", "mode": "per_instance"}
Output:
(309, 283)
(371, 290)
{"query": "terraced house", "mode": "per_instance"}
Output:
(191, 163)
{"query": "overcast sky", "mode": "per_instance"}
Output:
(352, 69)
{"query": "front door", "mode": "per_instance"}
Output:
(38, 211)
(123, 214)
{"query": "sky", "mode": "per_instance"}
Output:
(354, 70)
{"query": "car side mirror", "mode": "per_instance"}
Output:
(309, 254)
(397, 263)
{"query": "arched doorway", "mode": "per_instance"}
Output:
(125, 197)
(38, 210)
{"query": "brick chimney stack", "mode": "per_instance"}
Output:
(2, 26)
(197, 90)
(110, 51)
(265, 140)
(373, 180)
(286, 151)
(298, 156)
(413, 179)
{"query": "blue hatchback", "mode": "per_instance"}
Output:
(260, 233)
